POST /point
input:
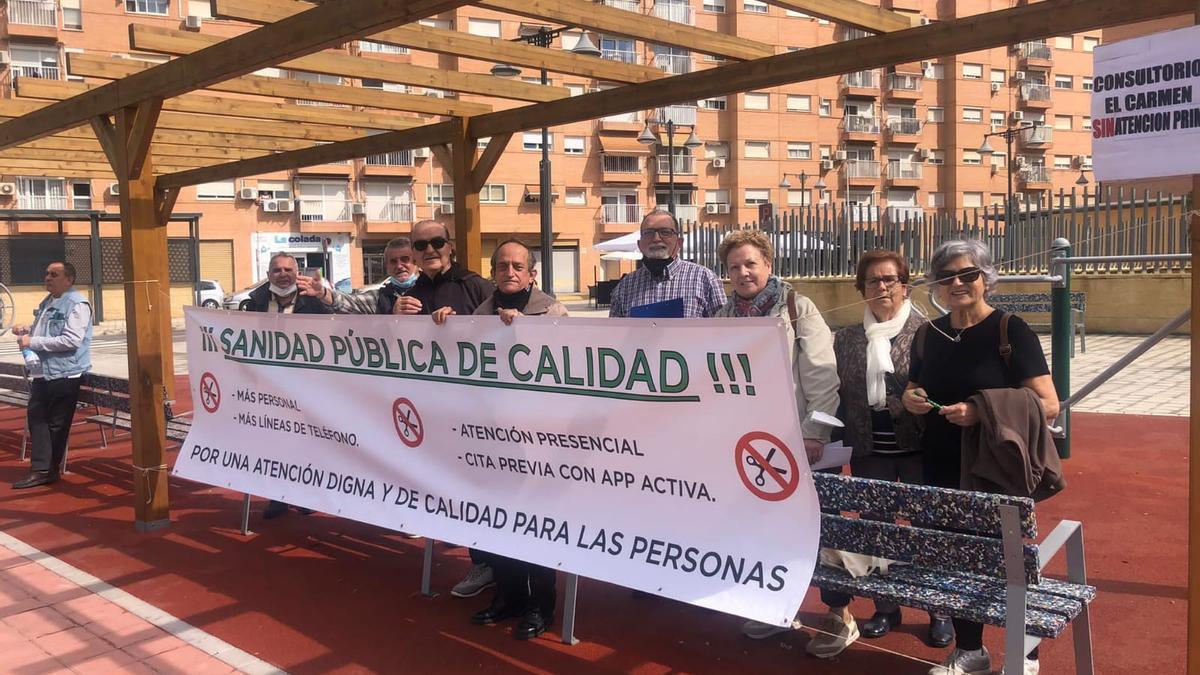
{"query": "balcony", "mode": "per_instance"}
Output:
(621, 213)
(324, 210)
(862, 171)
(1034, 54)
(622, 55)
(679, 114)
(900, 214)
(673, 11)
(396, 159)
(676, 64)
(628, 165)
(864, 83)
(42, 72)
(902, 173)
(33, 18)
(1035, 176)
(42, 202)
(904, 87)
(627, 5)
(684, 165)
(1035, 95)
(860, 128)
(630, 121)
(1036, 138)
(904, 129)
(389, 210)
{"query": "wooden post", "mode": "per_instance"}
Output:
(1193, 625)
(147, 299)
(468, 229)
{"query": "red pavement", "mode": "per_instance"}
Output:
(320, 594)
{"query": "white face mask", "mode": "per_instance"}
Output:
(283, 292)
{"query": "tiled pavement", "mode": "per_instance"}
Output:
(1157, 383)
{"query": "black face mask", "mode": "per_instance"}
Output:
(515, 301)
(657, 267)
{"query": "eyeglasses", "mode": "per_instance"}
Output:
(662, 232)
(437, 243)
(967, 275)
(280, 270)
(888, 280)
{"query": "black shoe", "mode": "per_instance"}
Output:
(35, 479)
(533, 624)
(275, 509)
(879, 625)
(941, 631)
(305, 512)
(498, 611)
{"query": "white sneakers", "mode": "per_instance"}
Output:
(962, 662)
(834, 637)
(1031, 668)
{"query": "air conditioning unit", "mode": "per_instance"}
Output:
(826, 164)
(718, 163)
(722, 208)
(711, 208)
(924, 152)
(249, 194)
(8, 189)
(285, 205)
(926, 65)
(1017, 115)
(358, 209)
(840, 155)
(928, 73)
(925, 21)
(1019, 75)
(114, 189)
(446, 209)
(995, 87)
(420, 153)
(271, 206)
(192, 22)
(5, 59)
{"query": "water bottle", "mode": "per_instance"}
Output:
(32, 363)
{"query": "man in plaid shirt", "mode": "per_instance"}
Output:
(663, 276)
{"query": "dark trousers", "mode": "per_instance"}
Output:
(524, 584)
(49, 415)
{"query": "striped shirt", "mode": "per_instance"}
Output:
(700, 290)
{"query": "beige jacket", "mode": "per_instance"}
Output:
(814, 368)
(540, 304)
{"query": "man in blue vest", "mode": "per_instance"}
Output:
(61, 340)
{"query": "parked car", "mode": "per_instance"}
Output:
(211, 294)
(241, 300)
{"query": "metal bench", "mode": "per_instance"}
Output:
(1039, 303)
(15, 385)
(968, 559)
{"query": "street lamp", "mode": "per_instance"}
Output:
(784, 184)
(1009, 135)
(584, 47)
(692, 142)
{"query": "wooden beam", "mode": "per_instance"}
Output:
(468, 230)
(40, 154)
(443, 154)
(458, 43)
(66, 165)
(487, 160)
(106, 174)
(91, 146)
(201, 139)
(59, 90)
(851, 13)
(179, 43)
(138, 131)
(968, 34)
(114, 68)
(323, 26)
(429, 134)
(614, 21)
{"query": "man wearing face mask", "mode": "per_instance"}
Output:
(402, 276)
(444, 284)
(282, 295)
(663, 277)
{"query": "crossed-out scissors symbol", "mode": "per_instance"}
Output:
(410, 427)
(761, 480)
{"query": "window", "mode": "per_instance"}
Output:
(1090, 43)
(576, 197)
(493, 193)
(758, 149)
(997, 119)
(440, 193)
(1062, 162)
(1062, 122)
(972, 200)
(380, 48)
(935, 71)
(756, 196)
(41, 193)
(569, 39)
(717, 6)
(158, 7)
(972, 71)
(716, 151)
(1063, 81)
(716, 196)
(443, 24)
(386, 202)
(997, 76)
(34, 61)
(971, 158)
(73, 16)
(798, 150)
(757, 100)
(222, 189)
(799, 197)
(1087, 83)
(1085, 123)
(274, 189)
(1064, 42)
(532, 140)
(972, 114)
(935, 114)
(754, 6)
(81, 194)
(936, 157)
(826, 151)
(937, 200)
(715, 103)
(573, 145)
(996, 199)
(997, 160)
(826, 108)
(484, 27)
(385, 86)
(797, 103)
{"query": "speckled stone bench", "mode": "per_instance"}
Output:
(969, 558)
(1039, 303)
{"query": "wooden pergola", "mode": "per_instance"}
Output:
(159, 127)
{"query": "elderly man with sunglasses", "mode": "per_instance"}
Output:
(445, 287)
(663, 279)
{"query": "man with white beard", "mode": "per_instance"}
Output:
(663, 277)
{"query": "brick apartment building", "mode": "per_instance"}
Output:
(901, 140)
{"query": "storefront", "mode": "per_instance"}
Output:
(329, 252)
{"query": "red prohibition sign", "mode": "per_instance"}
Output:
(763, 479)
(408, 422)
(210, 392)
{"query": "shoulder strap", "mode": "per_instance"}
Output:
(793, 311)
(1005, 348)
(922, 333)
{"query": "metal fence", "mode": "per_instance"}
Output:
(827, 239)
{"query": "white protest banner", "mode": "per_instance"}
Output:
(1145, 114)
(660, 455)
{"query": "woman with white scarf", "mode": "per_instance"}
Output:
(872, 360)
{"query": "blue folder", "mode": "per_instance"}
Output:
(667, 309)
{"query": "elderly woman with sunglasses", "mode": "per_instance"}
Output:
(957, 356)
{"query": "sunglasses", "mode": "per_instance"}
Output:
(967, 275)
(437, 243)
